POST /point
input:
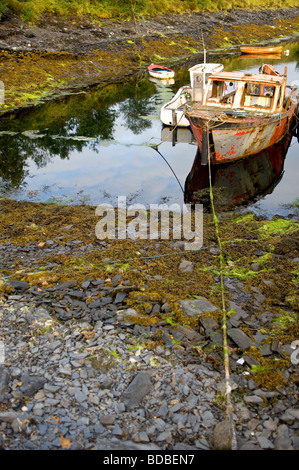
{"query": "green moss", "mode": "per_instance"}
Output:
(277, 227)
(269, 373)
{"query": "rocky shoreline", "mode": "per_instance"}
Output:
(103, 362)
(81, 385)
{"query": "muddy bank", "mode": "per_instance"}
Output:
(58, 55)
(76, 35)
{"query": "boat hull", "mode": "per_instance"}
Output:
(229, 140)
(158, 71)
(261, 50)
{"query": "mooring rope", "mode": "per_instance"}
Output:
(226, 356)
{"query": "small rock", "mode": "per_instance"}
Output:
(240, 338)
(117, 431)
(107, 420)
(254, 399)
(31, 384)
(265, 443)
(20, 285)
(222, 436)
(255, 267)
(195, 307)
(140, 386)
(4, 380)
(186, 266)
(282, 440)
(188, 333)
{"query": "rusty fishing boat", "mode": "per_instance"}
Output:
(242, 114)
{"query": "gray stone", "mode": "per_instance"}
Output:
(120, 296)
(107, 420)
(163, 411)
(186, 266)
(164, 436)
(4, 381)
(265, 443)
(142, 437)
(31, 384)
(195, 307)
(239, 312)
(290, 416)
(282, 440)
(254, 399)
(209, 325)
(222, 436)
(255, 267)
(188, 333)
(20, 285)
(20, 423)
(130, 445)
(140, 386)
(240, 338)
(80, 396)
(117, 431)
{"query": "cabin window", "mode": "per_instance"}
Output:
(222, 92)
(258, 96)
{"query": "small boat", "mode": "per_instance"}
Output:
(172, 113)
(158, 71)
(261, 50)
(242, 114)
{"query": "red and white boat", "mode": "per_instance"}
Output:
(159, 71)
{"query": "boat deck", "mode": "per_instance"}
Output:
(216, 114)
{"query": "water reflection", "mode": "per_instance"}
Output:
(237, 183)
(79, 123)
(98, 144)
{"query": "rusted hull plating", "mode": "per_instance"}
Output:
(227, 142)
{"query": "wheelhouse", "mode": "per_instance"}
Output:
(253, 92)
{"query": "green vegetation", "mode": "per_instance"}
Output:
(31, 10)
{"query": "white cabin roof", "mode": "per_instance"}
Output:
(249, 77)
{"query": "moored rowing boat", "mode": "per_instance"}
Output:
(261, 50)
(159, 71)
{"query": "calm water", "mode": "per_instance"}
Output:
(94, 147)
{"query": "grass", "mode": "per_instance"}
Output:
(31, 10)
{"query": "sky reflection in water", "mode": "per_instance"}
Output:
(110, 154)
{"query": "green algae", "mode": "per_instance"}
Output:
(276, 227)
(158, 279)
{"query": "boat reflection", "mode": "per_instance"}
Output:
(239, 183)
